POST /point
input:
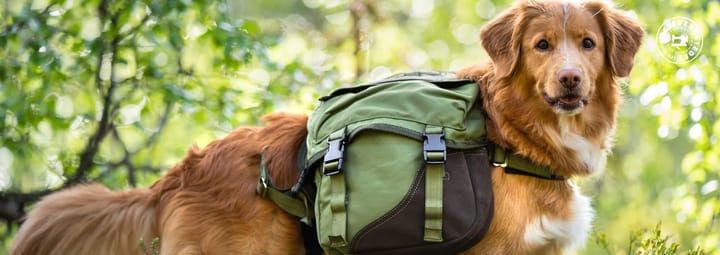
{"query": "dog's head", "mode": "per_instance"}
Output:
(562, 49)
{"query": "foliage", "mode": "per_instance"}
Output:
(666, 158)
(154, 248)
(646, 242)
(115, 91)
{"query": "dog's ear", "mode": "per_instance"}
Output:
(623, 35)
(499, 40)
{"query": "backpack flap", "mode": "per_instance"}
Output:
(448, 103)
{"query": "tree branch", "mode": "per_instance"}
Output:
(104, 126)
(358, 10)
(134, 29)
(12, 204)
(22, 23)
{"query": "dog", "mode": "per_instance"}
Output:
(549, 93)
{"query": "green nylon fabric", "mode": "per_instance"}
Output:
(374, 191)
(415, 101)
(384, 125)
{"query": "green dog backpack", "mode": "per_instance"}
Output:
(400, 167)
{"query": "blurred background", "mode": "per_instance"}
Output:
(115, 91)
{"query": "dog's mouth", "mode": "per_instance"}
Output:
(568, 103)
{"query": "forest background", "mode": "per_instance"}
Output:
(115, 91)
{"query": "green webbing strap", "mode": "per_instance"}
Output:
(333, 169)
(292, 204)
(339, 214)
(433, 202)
(434, 151)
(515, 164)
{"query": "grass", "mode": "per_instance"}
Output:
(645, 242)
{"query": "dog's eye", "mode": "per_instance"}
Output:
(588, 44)
(542, 45)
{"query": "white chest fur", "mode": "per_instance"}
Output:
(591, 154)
(569, 233)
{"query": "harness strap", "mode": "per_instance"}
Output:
(515, 164)
(293, 203)
(338, 198)
(434, 151)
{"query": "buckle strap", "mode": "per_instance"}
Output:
(333, 161)
(338, 208)
(292, 203)
(333, 168)
(434, 151)
(515, 164)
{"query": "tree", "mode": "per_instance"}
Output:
(88, 89)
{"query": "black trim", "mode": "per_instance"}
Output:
(300, 160)
(510, 170)
(310, 240)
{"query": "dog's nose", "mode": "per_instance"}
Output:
(569, 78)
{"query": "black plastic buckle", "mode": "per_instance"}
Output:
(434, 143)
(335, 153)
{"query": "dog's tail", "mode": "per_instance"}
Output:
(88, 219)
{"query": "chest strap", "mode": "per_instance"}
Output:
(515, 164)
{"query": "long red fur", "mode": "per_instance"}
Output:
(206, 204)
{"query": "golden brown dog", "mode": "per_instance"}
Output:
(549, 94)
